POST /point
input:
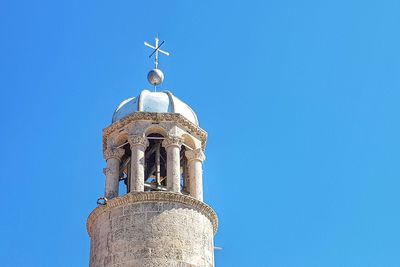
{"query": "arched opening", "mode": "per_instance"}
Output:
(184, 172)
(155, 165)
(125, 170)
(155, 129)
(188, 141)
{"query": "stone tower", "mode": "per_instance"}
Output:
(153, 212)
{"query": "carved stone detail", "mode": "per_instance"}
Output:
(115, 153)
(195, 154)
(137, 197)
(172, 141)
(158, 117)
(138, 140)
(108, 171)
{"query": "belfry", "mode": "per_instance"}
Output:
(152, 212)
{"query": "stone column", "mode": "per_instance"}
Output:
(138, 145)
(113, 157)
(173, 146)
(195, 159)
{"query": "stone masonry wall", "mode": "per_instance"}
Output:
(152, 233)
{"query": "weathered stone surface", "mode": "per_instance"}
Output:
(152, 230)
(151, 117)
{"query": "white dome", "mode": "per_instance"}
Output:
(161, 102)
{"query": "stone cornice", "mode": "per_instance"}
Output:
(155, 117)
(140, 197)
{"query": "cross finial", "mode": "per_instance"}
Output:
(156, 50)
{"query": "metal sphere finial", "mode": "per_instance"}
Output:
(155, 77)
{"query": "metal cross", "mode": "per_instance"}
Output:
(156, 51)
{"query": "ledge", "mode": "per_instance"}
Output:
(140, 197)
(155, 117)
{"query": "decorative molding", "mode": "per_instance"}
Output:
(115, 153)
(172, 141)
(137, 140)
(155, 117)
(195, 154)
(139, 197)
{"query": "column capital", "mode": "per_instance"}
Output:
(195, 154)
(138, 140)
(115, 153)
(172, 141)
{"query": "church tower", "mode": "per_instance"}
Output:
(152, 213)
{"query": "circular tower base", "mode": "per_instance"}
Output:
(152, 229)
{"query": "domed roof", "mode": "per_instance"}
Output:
(162, 102)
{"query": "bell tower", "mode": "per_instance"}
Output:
(152, 212)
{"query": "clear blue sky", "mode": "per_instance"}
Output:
(300, 100)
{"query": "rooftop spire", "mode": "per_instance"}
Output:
(156, 76)
(156, 50)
